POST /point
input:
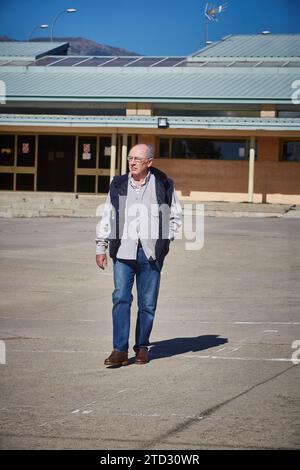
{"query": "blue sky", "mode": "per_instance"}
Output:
(153, 27)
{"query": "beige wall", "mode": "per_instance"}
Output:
(268, 149)
(271, 176)
(147, 139)
(206, 175)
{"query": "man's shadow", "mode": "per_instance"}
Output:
(176, 346)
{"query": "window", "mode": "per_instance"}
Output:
(197, 111)
(103, 184)
(7, 148)
(291, 151)
(26, 150)
(25, 182)
(104, 152)
(208, 149)
(86, 183)
(6, 180)
(164, 145)
(87, 152)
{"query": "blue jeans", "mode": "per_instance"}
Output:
(147, 282)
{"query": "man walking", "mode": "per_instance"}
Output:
(142, 215)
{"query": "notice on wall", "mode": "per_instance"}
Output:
(6, 151)
(25, 147)
(86, 154)
(241, 152)
(107, 151)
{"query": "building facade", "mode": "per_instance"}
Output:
(225, 122)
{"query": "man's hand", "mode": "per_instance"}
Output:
(101, 260)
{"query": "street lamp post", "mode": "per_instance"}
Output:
(69, 10)
(42, 26)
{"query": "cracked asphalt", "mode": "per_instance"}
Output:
(221, 374)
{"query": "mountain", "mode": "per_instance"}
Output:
(6, 39)
(83, 46)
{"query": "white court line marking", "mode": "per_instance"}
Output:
(233, 358)
(144, 415)
(266, 323)
(94, 402)
(242, 342)
(79, 411)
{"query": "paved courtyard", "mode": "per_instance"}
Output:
(221, 374)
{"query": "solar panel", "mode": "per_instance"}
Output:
(293, 64)
(146, 61)
(104, 61)
(67, 62)
(270, 64)
(139, 61)
(182, 63)
(169, 62)
(119, 62)
(46, 61)
(89, 61)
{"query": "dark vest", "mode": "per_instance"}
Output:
(164, 193)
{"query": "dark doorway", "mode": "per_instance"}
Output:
(56, 159)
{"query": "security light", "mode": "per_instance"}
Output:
(162, 122)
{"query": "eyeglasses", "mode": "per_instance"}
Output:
(136, 160)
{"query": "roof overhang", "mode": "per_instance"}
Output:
(151, 122)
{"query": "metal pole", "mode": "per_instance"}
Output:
(124, 154)
(34, 29)
(42, 26)
(113, 155)
(54, 21)
(206, 24)
(251, 169)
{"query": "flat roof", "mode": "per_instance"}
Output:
(30, 50)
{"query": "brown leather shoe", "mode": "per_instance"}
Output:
(117, 359)
(141, 356)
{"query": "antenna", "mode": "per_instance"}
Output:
(211, 12)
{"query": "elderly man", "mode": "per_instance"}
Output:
(142, 215)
